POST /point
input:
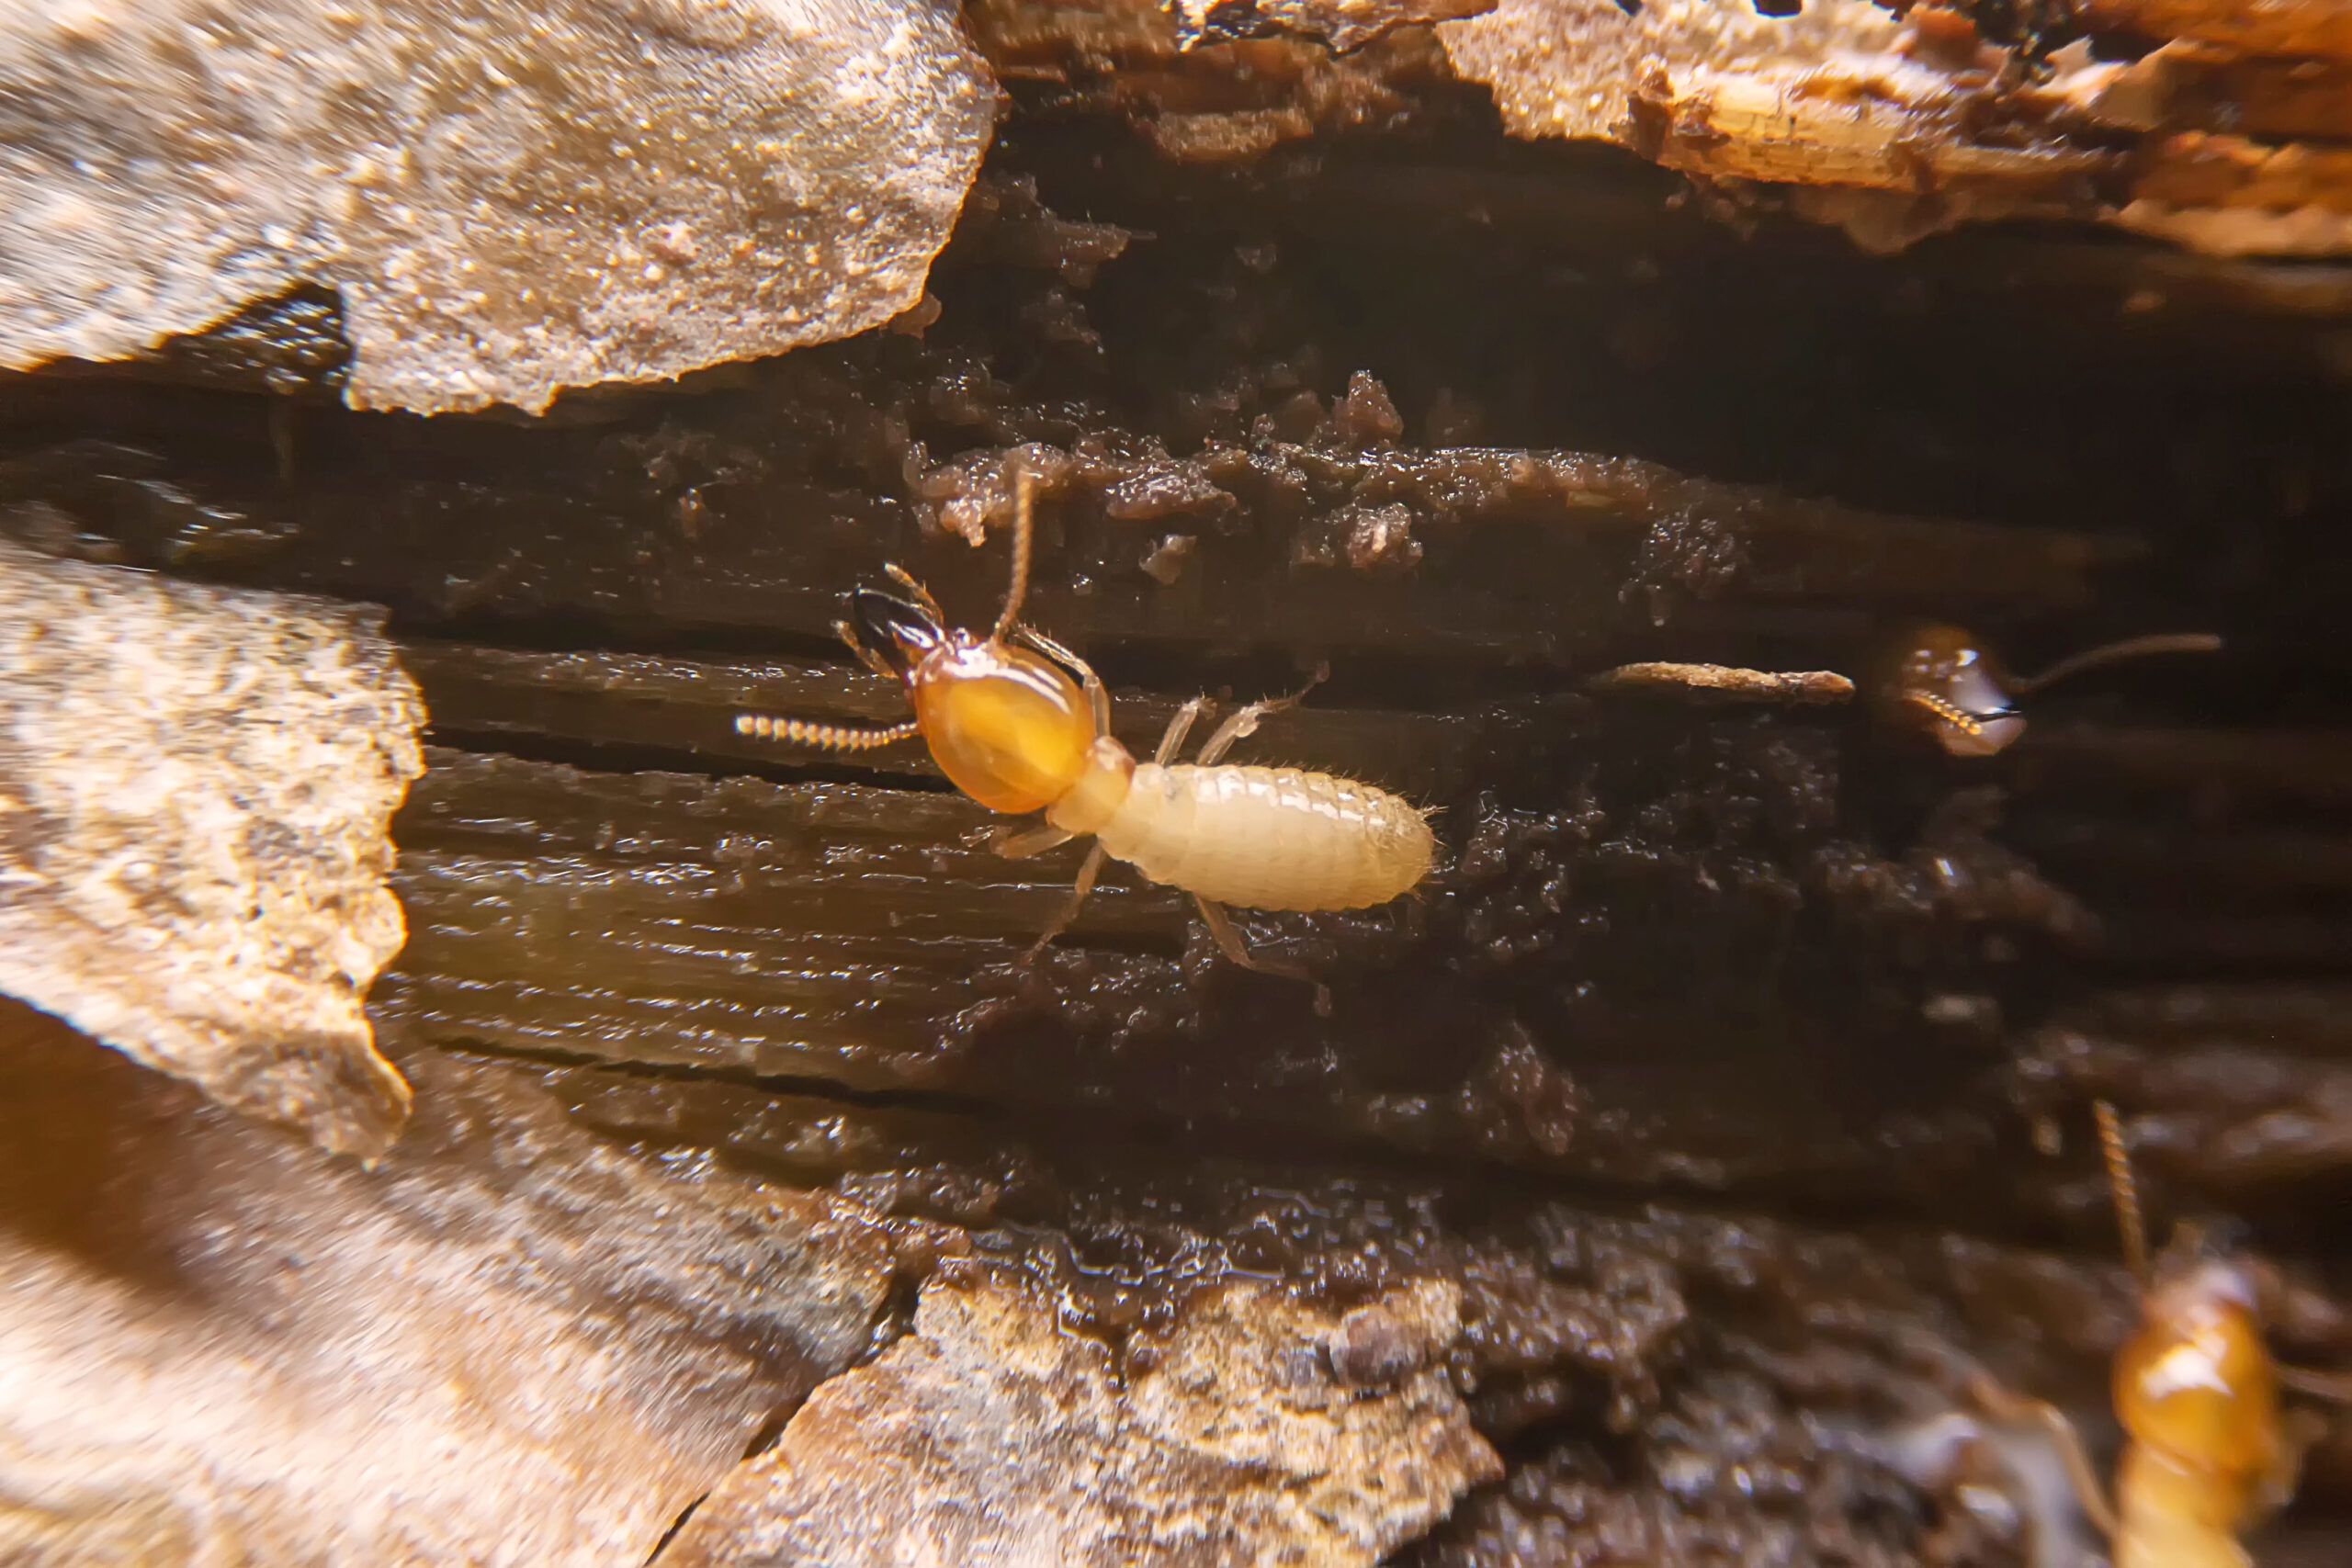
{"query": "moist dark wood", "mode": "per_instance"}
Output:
(1708, 1014)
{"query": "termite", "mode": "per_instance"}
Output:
(1941, 680)
(1010, 729)
(2209, 1451)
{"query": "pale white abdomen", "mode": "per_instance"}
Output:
(1268, 838)
(2167, 1542)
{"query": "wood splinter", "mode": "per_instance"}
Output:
(1727, 683)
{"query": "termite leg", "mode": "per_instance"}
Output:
(2335, 1387)
(1020, 844)
(906, 580)
(1178, 727)
(1230, 942)
(2299, 1431)
(1245, 722)
(866, 655)
(1078, 890)
(1095, 692)
(2003, 1405)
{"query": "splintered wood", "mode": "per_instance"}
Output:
(1895, 127)
(2219, 127)
(1723, 683)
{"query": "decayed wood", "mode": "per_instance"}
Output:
(724, 181)
(2272, 26)
(1227, 102)
(2229, 196)
(2310, 765)
(194, 788)
(1837, 1360)
(867, 936)
(1685, 966)
(1892, 125)
(675, 1285)
(1729, 125)
(2279, 97)
(687, 708)
(1342, 24)
(1624, 546)
(509, 1339)
(1259, 1428)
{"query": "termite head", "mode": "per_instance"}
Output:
(1940, 681)
(2197, 1384)
(1008, 727)
(1006, 723)
(1937, 681)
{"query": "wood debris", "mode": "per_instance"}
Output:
(195, 790)
(1264, 1429)
(2217, 126)
(1343, 25)
(1725, 682)
(510, 1341)
(510, 205)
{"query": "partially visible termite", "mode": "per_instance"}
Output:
(1010, 729)
(1942, 682)
(2208, 1453)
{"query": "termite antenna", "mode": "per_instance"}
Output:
(2116, 653)
(2124, 1190)
(823, 737)
(1025, 485)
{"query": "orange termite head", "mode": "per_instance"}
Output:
(2196, 1383)
(1008, 727)
(1939, 682)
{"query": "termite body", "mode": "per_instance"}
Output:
(2209, 1451)
(2208, 1455)
(1011, 728)
(1942, 682)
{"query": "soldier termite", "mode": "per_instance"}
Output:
(2209, 1453)
(1941, 682)
(1011, 730)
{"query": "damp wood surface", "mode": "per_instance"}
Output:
(1665, 1169)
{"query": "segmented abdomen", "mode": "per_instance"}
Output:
(1270, 838)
